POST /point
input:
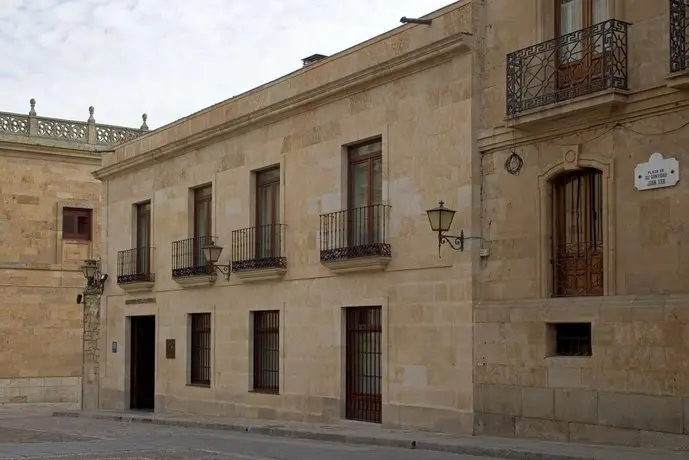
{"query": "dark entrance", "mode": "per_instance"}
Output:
(363, 364)
(142, 372)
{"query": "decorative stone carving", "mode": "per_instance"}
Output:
(66, 130)
(570, 158)
(14, 124)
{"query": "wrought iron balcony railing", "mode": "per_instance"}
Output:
(257, 248)
(78, 132)
(188, 258)
(355, 233)
(135, 265)
(679, 32)
(572, 65)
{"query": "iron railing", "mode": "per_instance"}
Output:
(572, 65)
(257, 248)
(135, 265)
(188, 258)
(354, 233)
(679, 31)
(200, 362)
(266, 375)
(364, 369)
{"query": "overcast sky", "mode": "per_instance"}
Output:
(169, 58)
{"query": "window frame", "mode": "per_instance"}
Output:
(200, 349)
(73, 214)
(264, 181)
(203, 196)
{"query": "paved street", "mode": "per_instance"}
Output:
(40, 436)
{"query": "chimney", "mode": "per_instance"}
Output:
(314, 58)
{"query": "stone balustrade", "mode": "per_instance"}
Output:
(88, 132)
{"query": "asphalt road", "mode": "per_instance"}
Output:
(44, 437)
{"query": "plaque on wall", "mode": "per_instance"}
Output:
(658, 172)
(114, 347)
(170, 348)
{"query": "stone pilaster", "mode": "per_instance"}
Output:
(91, 382)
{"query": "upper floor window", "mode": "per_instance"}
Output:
(143, 237)
(268, 213)
(581, 58)
(578, 234)
(365, 193)
(573, 15)
(203, 215)
(76, 224)
(143, 225)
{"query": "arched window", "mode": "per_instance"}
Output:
(577, 256)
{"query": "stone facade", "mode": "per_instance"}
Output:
(46, 167)
(470, 341)
(411, 88)
(633, 388)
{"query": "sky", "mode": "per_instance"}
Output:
(170, 58)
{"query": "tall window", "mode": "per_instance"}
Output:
(143, 237)
(76, 224)
(578, 234)
(580, 59)
(365, 193)
(203, 227)
(266, 351)
(268, 213)
(200, 349)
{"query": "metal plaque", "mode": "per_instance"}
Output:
(170, 348)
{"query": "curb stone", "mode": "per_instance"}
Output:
(478, 451)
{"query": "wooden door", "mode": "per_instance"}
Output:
(580, 54)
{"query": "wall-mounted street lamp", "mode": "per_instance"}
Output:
(440, 219)
(95, 279)
(212, 253)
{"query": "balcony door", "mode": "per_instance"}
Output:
(364, 219)
(580, 56)
(268, 214)
(202, 222)
(143, 238)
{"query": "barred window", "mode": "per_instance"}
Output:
(266, 332)
(200, 348)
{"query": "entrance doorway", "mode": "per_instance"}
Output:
(363, 364)
(142, 361)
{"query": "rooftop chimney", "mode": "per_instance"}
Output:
(314, 58)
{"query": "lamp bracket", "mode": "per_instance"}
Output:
(222, 269)
(456, 242)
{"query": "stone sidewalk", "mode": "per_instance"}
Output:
(355, 433)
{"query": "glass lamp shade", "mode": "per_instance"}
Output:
(212, 253)
(440, 218)
(89, 268)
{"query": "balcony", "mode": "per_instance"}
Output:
(258, 254)
(679, 53)
(134, 273)
(356, 239)
(189, 267)
(578, 73)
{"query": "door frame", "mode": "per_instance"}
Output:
(351, 398)
(130, 357)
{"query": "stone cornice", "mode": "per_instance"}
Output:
(651, 102)
(48, 153)
(424, 57)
